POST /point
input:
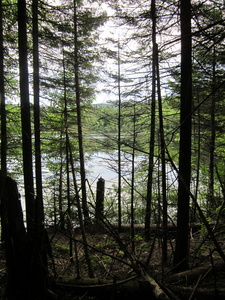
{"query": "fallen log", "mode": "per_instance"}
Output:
(156, 289)
(144, 288)
(191, 275)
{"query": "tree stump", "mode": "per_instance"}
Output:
(15, 240)
(100, 194)
(26, 271)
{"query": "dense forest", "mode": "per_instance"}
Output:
(140, 85)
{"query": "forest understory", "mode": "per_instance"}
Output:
(121, 270)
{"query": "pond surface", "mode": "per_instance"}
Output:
(105, 165)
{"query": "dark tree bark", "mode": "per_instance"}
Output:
(119, 144)
(25, 117)
(79, 121)
(2, 95)
(40, 232)
(163, 162)
(60, 200)
(152, 132)
(15, 240)
(69, 225)
(100, 194)
(132, 181)
(36, 79)
(35, 268)
(3, 108)
(182, 240)
(211, 200)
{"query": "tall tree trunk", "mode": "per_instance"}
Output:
(35, 268)
(36, 79)
(79, 121)
(2, 95)
(211, 200)
(60, 200)
(132, 180)
(40, 233)
(163, 161)
(25, 117)
(182, 240)
(152, 133)
(119, 144)
(3, 109)
(69, 227)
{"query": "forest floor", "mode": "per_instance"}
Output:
(120, 269)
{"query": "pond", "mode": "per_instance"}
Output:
(105, 165)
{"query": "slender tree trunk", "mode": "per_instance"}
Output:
(69, 221)
(25, 116)
(38, 171)
(163, 162)
(152, 133)
(69, 227)
(211, 200)
(2, 95)
(77, 198)
(3, 109)
(79, 121)
(198, 132)
(119, 144)
(132, 181)
(40, 233)
(182, 240)
(60, 201)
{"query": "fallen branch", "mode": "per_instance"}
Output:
(156, 289)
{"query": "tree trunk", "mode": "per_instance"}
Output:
(3, 109)
(60, 200)
(132, 181)
(15, 240)
(36, 84)
(100, 194)
(211, 201)
(25, 116)
(79, 121)
(77, 198)
(152, 133)
(36, 268)
(119, 144)
(182, 240)
(2, 93)
(69, 227)
(163, 163)
(40, 232)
